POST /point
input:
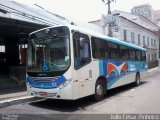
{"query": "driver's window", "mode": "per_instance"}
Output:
(82, 53)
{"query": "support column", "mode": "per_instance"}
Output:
(12, 51)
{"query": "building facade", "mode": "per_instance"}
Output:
(135, 29)
(157, 17)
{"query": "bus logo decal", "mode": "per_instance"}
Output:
(117, 69)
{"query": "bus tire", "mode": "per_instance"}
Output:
(137, 80)
(99, 90)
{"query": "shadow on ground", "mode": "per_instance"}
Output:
(12, 90)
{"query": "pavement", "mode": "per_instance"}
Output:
(12, 96)
(12, 93)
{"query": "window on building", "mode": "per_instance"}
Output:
(139, 39)
(149, 13)
(144, 41)
(148, 40)
(125, 35)
(155, 56)
(132, 37)
(151, 42)
(149, 58)
(154, 42)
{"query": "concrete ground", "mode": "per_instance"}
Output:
(12, 93)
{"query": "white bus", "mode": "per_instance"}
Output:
(68, 62)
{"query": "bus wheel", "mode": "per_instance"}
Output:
(137, 80)
(99, 90)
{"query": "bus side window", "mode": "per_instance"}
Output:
(114, 52)
(82, 55)
(99, 48)
(143, 55)
(132, 54)
(124, 52)
(138, 55)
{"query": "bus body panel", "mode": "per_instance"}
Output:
(129, 78)
(85, 77)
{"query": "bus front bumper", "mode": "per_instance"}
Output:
(55, 93)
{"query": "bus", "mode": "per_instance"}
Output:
(68, 62)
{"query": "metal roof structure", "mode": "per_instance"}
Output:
(18, 11)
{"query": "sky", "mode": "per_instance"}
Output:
(87, 10)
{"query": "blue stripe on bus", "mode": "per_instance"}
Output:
(114, 80)
(111, 82)
(123, 43)
(102, 68)
(41, 83)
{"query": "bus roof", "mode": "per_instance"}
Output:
(94, 34)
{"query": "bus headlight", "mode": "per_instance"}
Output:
(65, 83)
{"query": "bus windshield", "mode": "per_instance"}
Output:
(48, 54)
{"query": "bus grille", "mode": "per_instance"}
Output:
(44, 79)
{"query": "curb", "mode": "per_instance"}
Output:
(14, 101)
(153, 71)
